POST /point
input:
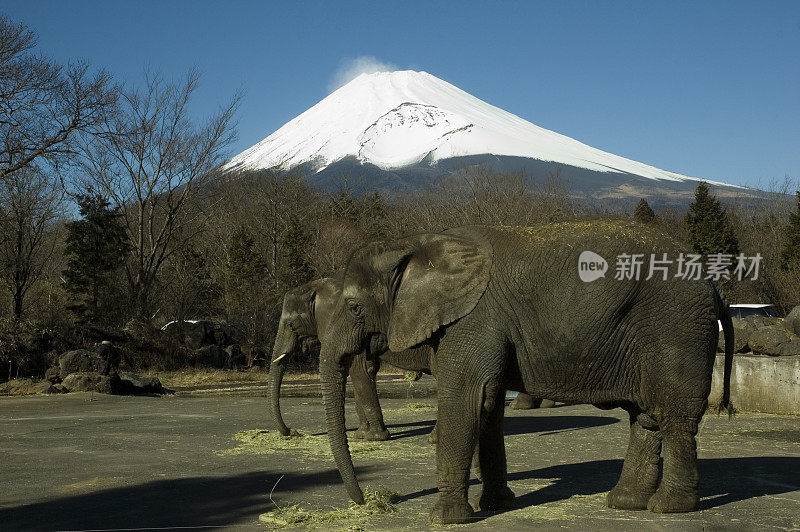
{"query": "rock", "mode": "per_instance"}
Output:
(53, 374)
(768, 340)
(235, 358)
(111, 354)
(742, 329)
(192, 334)
(131, 383)
(91, 382)
(211, 356)
(46, 387)
(82, 361)
(792, 321)
(791, 348)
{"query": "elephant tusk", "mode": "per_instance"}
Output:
(280, 357)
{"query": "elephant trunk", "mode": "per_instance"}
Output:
(284, 345)
(334, 379)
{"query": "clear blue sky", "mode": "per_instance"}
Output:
(708, 89)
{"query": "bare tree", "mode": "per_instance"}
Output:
(149, 160)
(43, 106)
(30, 204)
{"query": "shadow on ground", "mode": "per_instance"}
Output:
(722, 480)
(194, 502)
(512, 426)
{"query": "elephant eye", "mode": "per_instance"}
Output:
(354, 308)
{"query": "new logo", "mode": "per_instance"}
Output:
(591, 266)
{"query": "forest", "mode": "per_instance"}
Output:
(116, 218)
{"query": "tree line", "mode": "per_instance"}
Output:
(113, 209)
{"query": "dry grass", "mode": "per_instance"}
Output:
(316, 446)
(205, 376)
(201, 376)
(21, 387)
(380, 501)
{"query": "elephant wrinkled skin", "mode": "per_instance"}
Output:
(504, 308)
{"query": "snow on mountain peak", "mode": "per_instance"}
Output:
(397, 119)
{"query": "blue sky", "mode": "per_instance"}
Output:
(708, 89)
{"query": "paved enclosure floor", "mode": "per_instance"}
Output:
(130, 462)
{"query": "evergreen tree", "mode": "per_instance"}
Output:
(245, 264)
(790, 254)
(295, 269)
(643, 213)
(707, 227)
(96, 246)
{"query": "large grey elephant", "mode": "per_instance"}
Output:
(505, 308)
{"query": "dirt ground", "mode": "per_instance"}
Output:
(97, 462)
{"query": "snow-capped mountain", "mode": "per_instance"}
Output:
(396, 121)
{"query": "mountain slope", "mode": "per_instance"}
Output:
(396, 123)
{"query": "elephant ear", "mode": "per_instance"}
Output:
(439, 281)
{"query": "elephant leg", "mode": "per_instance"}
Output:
(496, 494)
(470, 367)
(639, 478)
(370, 416)
(678, 489)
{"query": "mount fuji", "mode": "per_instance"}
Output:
(398, 131)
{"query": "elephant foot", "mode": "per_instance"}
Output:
(626, 498)
(451, 512)
(496, 498)
(376, 435)
(369, 433)
(523, 401)
(666, 500)
(547, 403)
(433, 437)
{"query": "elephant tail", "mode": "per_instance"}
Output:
(724, 315)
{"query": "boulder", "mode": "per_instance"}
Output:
(110, 353)
(792, 321)
(742, 329)
(210, 356)
(91, 382)
(791, 348)
(53, 374)
(193, 334)
(768, 340)
(46, 387)
(131, 383)
(82, 361)
(235, 358)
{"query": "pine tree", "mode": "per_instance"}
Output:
(295, 269)
(643, 213)
(790, 254)
(96, 246)
(708, 230)
(245, 264)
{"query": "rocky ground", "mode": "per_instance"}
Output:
(81, 461)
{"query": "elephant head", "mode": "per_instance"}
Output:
(305, 311)
(401, 293)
